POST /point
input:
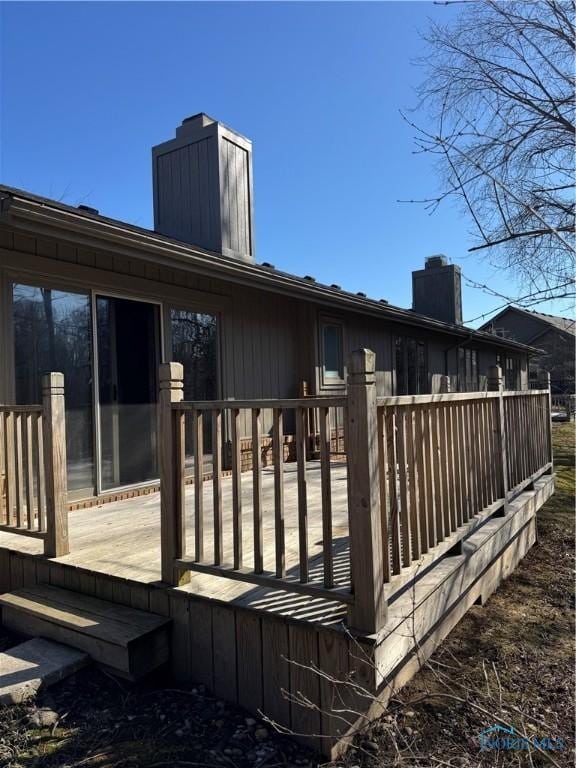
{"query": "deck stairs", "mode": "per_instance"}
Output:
(128, 642)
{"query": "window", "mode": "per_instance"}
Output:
(468, 370)
(331, 353)
(411, 368)
(512, 373)
(194, 345)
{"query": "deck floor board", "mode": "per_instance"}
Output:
(122, 539)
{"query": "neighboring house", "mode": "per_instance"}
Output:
(105, 302)
(555, 336)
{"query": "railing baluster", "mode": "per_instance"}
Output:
(456, 460)
(179, 432)
(278, 452)
(302, 495)
(394, 517)
(464, 500)
(532, 443)
(326, 482)
(492, 464)
(236, 489)
(482, 451)
(217, 485)
(384, 499)
(413, 471)
(517, 420)
(438, 494)
(518, 435)
(41, 495)
(495, 462)
(447, 491)
(30, 513)
(257, 492)
(464, 474)
(451, 456)
(421, 479)
(526, 440)
(198, 448)
(19, 472)
(481, 454)
(468, 438)
(475, 439)
(402, 470)
(4, 518)
(429, 482)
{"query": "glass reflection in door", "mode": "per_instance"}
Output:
(53, 332)
(128, 335)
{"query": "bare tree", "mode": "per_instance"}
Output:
(500, 89)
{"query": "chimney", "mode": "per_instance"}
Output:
(436, 290)
(203, 188)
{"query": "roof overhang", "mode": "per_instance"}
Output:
(52, 219)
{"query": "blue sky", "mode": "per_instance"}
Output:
(88, 88)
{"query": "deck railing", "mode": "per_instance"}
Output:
(217, 542)
(422, 472)
(33, 488)
(448, 461)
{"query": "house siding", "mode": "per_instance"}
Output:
(268, 342)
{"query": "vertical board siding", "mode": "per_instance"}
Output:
(188, 175)
(236, 202)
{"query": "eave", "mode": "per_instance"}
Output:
(56, 220)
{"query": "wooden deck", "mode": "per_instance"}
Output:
(308, 574)
(123, 539)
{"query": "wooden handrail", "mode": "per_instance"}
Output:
(452, 397)
(291, 403)
(20, 409)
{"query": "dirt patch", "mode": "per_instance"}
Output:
(95, 721)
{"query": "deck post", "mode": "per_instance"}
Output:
(544, 383)
(56, 542)
(368, 612)
(495, 383)
(171, 526)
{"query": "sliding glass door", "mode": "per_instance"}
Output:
(128, 354)
(53, 332)
(109, 350)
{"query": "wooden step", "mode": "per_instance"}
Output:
(127, 641)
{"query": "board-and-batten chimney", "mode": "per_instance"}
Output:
(436, 290)
(203, 188)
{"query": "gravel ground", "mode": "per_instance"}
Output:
(96, 721)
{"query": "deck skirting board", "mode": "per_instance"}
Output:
(263, 660)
